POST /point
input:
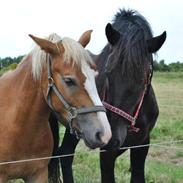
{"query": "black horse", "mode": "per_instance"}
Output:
(125, 71)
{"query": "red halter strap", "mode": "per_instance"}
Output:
(131, 119)
(121, 113)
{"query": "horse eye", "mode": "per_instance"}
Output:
(69, 81)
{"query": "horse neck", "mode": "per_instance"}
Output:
(30, 91)
(100, 61)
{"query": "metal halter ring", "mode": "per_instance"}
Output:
(50, 81)
(72, 113)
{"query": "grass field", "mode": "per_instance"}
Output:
(164, 164)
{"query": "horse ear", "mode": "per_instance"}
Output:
(155, 43)
(112, 34)
(85, 38)
(45, 45)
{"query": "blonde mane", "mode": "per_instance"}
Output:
(74, 52)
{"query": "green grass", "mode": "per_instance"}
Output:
(164, 172)
(164, 164)
(169, 92)
(8, 68)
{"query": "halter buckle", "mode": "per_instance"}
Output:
(72, 113)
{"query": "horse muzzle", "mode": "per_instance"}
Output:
(92, 130)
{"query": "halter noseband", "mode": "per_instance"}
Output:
(131, 119)
(72, 112)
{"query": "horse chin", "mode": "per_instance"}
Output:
(117, 140)
(114, 144)
(91, 145)
(81, 135)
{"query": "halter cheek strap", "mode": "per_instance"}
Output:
(72, 112)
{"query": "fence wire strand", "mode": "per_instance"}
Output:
(171, 106)
(160, 145)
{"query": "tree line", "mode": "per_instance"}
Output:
(5, 62)
(10, 63)
(163, 67)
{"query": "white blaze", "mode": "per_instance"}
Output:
(90, 87)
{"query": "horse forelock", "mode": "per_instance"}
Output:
(73, 53)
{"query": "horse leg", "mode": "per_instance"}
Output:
(107, 163)
(40, 177)
(54, 164)
(137, 160)
(68, 146)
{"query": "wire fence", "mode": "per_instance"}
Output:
(160, 145)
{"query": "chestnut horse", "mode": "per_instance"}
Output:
(57, 75)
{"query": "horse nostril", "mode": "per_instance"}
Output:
(98, 136)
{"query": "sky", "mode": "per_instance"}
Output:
(71, 18)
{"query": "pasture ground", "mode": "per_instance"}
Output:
(163, 164)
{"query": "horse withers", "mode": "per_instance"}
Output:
(124, 82)
(57, 75)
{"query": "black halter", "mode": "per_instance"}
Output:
(72, 112)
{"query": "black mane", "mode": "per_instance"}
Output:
(131, 50)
